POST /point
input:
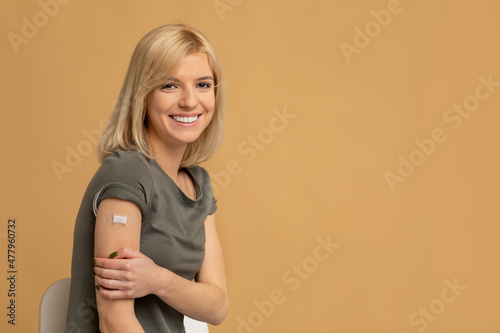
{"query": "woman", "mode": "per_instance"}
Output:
(146, 250)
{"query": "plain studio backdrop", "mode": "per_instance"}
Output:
(357, 182)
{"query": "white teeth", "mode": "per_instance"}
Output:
(185, 120)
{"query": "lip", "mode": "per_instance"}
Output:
(192, 114)
(185, 115)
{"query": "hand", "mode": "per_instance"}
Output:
(129, 274)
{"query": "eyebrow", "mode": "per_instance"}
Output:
(208, 77)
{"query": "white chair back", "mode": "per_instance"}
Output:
(54, 307)
(195, 326)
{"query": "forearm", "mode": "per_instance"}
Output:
(117, 316)
(130, 325)
(204, 301)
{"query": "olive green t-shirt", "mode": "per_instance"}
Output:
(172, 235)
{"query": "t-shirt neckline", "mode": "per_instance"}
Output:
(177, 190)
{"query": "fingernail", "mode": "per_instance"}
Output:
(114, 254)
(97, 287)
(93, 274)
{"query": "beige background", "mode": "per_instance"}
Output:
(353, 106)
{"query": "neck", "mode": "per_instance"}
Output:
(168, 158)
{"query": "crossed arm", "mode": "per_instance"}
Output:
(132, 275)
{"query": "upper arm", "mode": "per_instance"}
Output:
(213, 268)
(110, 237)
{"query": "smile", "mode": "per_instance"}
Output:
(185, 120)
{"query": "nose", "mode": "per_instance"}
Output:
(188, 99)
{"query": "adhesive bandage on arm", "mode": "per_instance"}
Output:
(119, 219)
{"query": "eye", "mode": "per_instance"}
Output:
(204, 85)
(168, 86)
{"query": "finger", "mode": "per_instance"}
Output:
(117, 264)
(116, 254)
(113, 293)
(114, 274)
(108, 283)
(126, 252)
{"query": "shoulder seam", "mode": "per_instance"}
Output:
(148, 167)
(98, 194)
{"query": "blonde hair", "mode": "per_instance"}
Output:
(156, 58)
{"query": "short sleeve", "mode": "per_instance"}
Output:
(213, 207)
(207, 189)
(203, 179)
(123, 175)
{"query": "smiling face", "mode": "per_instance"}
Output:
(182, 107)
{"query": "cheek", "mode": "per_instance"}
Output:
(210, 117)
(208, 102)
(210, 107)
(160, 102)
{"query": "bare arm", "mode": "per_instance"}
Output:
(131, 274)
(206, 299)
(115, 315)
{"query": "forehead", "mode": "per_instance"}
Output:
(194, 65)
